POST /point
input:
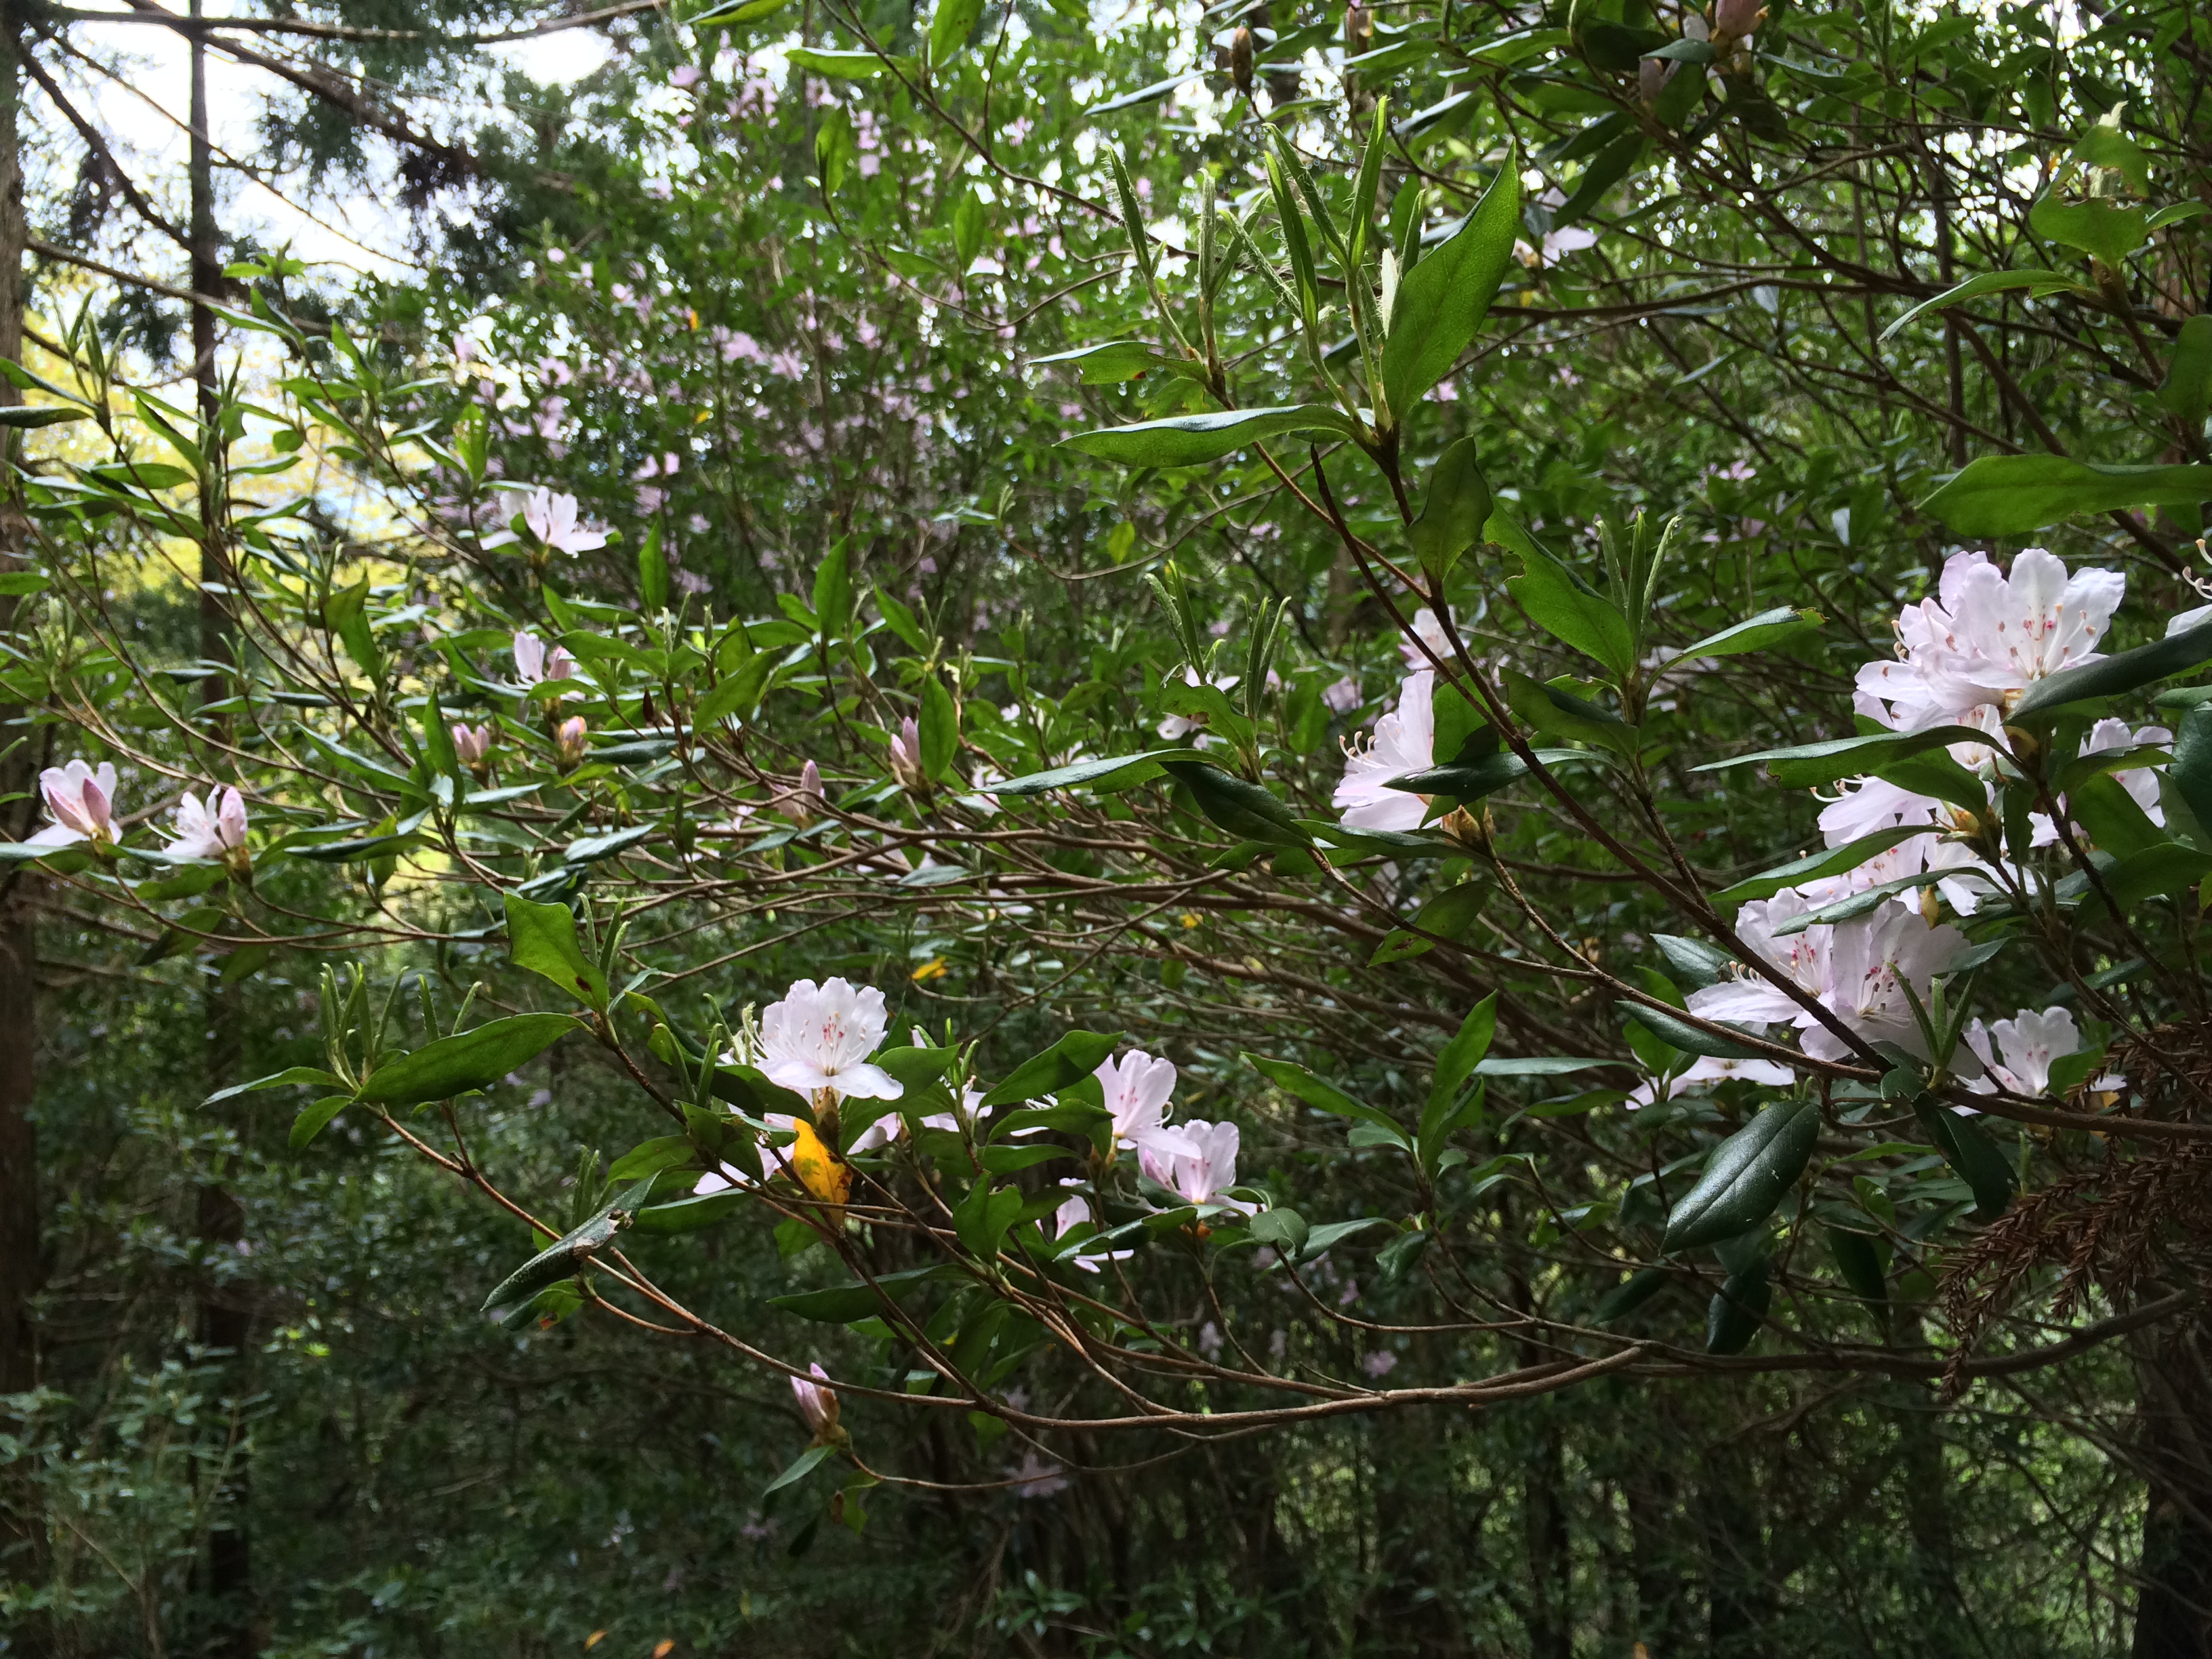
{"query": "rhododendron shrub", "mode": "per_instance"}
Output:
(1491, 932)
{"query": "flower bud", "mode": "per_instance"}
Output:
(1240, 60)
(1652, 76)
(472, 745)
(906, 757)
(818, 1404)
(570, 741)
(801, 805)
(1735, 19)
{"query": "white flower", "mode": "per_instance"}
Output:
(82, 801)
(1178, 726)
(202, 834)
(971, 1102)
(1033, 1478)
(1197, 1160)
(2027, 1043)
(552, 518)
(2188, 619)
(1404, 741)
(1711, 1068)
(1137, 1088)
(1873, 803)
(1856, 970)
(1075, 1212)
(818, 1403)
(1427, 630)
(819, 1037)
(1986, 637)
(533, 663)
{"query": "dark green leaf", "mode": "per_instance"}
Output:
(1748, 1174)
(1484, 777)
(1572, 614)
(472, 1060)
(2124, 672)
(1067, 1062)
(1971, 1153)
(291, 1076)
(1248, 810)
(1678, 1032)
(1442, 300)
(1807, 765)
(1814, 866)
(1768, 628)
(1297, 1081)
(2012, 494)
(1194, 439)
(312, 1120)
(1090, 773)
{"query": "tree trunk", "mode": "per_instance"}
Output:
(22, 1535)
(2173, 1599)
(224, 1320)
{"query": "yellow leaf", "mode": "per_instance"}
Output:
(594, 1639)
(664, 1647)
(820, 1171)
(934, 968)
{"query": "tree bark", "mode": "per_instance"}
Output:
(2174, 1598)
(224, 1319)
(22, 1535)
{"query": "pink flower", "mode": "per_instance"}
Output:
(533, 663)
(684, 76)
(552, 520)
(1986, 637)
(1197, 1160)
(1343, 696)
(83, 802)
(1075, 1212)
(818, 1403)
(570, 741)
(1856, 970)
(205, 834)
(1137, 1087)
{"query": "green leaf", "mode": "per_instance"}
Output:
(1814, 866)
(1487, 776)
(808, 1460)
(2012, 494)
(1119, 769)
(1768, 628)
(689, 1215)
(471, 1060)
(737, 692)
(2100, 227)
(2148, 871)
(1297, 1081)
(1283, 1228)
(15, 583)
(835, 147)
(837, 66)
(1246, 810)
(1194, 439)
(438, 740)
(842, 1304)
(981, 1221)
(1748, 1174)
(566, 1255)
(541, 938)
(314, 1119)
(2189, 772)
(1678, 1033)
(949, 25)
(1454, 510)
(1109, 363)
(23, 418)
(589, 849)
(2114, 675)
(2038, 282)
(1573, 614)
(1143, 96)
(1859, 1263)
(1733, 1317)
(940, 730)
(1456, 1062)
(1067, 1062)
(290, 1077)
(652, 573)
(833, 594)
(2187, 393)
(1807, 765)
(666, 1152)
(971, 225)
(1443, 300)
(1632, 1293)
(1700, 961)
(1971, 1153)
(1560, 714)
